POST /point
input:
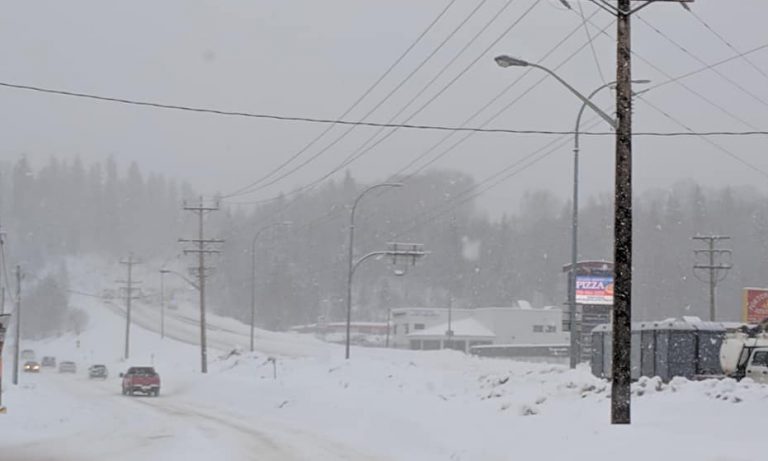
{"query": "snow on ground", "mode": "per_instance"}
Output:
(296, 398)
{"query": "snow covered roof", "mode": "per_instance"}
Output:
(463, 328)
(687, 323)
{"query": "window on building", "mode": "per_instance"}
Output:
(418, 326)
(551, 329)
(406, 328)
(538, 328)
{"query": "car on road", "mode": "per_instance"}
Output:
(97, 372)
(141, 379)
(49, 362)
(31, 367)
(67, 367)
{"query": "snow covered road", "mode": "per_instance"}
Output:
(382, 404)
(105, 425)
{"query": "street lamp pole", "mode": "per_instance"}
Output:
(350, 260)
(253, 272)
(575, 339)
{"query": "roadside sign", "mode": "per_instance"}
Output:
(755, 305)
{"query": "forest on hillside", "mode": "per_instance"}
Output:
(65, 208)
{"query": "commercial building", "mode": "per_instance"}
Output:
(423, 328)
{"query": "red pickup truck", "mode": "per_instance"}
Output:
(141, 379)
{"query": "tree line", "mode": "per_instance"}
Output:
(67, 209)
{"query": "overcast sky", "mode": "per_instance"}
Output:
(312, 58)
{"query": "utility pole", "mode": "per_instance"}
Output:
(162, 302)
(714, 265)
(622, 252)
(201, 247)
(622, 219)
(3, 275)
(451, 288)
(128, 290)
(4, 322)
(17, 354)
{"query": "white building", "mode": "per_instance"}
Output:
(427, 328)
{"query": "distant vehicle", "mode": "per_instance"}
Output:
(28, 354)
(141, 379)
(67, 367)
(31, 367)
(97, 372)
(49, 362)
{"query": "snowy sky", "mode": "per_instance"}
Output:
(311, 58)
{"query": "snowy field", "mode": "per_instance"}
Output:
(310, 404)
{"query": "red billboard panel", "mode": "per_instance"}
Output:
(755, 305)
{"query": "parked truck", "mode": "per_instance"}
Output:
(141, 379)
(744, 353)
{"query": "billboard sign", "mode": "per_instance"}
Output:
(755, 305)
(592, 289)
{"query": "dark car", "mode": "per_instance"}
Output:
(49, 362)
(67, 367)
(141, 379)
(97, 372)
(31, 367)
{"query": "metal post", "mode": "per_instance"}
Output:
(389, 325)
(128, 298)
(253, 289)
(162, 303)
(17, 355)
(350, 257)
(201, 269)
(712, 313)
(575, 342)
(622, 318)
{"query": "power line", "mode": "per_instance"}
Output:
(727, 43)
(590, 40)
(394, 90)
(221, 112)
(688, 88)
(466, 121)
(690, 130)
(354, 105)
(508, 172)
(701, 61)
(490, 102)
(705, 139)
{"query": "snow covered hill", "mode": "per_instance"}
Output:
(296, 398)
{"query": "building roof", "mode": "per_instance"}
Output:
(464, 328)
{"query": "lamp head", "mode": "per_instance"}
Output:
(508, 61)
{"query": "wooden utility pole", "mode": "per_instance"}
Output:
(201, 247)
(17, 354)
(622, 224)
(622, 253)
(128, 293)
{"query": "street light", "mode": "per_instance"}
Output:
(575, 340)
(351, 264)
(509, 61)
(408, 250)
(253, 271)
